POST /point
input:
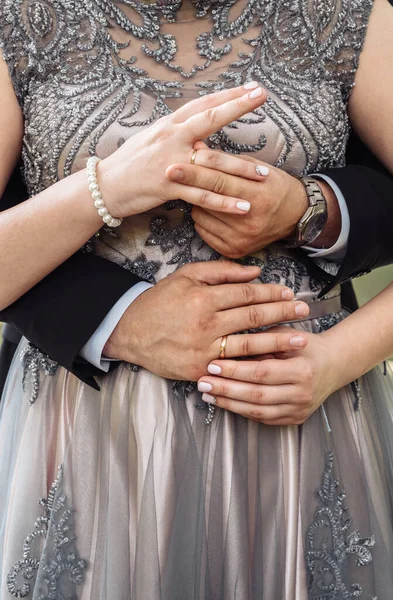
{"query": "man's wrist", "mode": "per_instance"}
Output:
(93, 350)
(331, 231)
(123, 342)
(332, 228)
(300, 204)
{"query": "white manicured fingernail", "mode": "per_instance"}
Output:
(214, 369)
(251, 85)
(256, 93)
(204, 387)
(261, 170)
(243, 206)
(209, 399)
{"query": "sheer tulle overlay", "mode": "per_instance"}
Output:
(150, 502)
(140, 500)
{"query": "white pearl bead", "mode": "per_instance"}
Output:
(107, 219)
(102, 211)
(96, 195)
(93, 186)
(99, 203)
(91, 178)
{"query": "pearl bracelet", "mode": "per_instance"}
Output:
(96, 194)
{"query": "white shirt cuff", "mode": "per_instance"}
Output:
(92, 350)
(338, 251)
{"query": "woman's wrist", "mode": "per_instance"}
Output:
(76, 200)
(360, 342)
(96, 195)
(340, 367)
(108, 180)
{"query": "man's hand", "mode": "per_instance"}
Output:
(175, 328)
(278, 201)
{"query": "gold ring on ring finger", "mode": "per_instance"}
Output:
(223, 346)
(193, 157)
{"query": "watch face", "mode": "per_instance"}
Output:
(314, 226)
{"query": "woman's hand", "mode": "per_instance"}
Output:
(282, 390)
(133, 180)
(175, 328)
(278, 201)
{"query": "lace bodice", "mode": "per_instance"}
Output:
(91, 74)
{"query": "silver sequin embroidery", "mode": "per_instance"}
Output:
(59, 567)
(34, 361)
(74, 84)
(329, 544)
(67, 66)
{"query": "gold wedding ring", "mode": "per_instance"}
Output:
(223, 346)
(193, 157)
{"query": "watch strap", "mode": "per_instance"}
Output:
(315, 197)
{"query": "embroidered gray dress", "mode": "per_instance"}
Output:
(140, 499)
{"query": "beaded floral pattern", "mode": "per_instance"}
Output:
(33, 362)
(83, 92)
(59, 567)
(329, 544)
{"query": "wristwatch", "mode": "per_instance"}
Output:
(314, 219)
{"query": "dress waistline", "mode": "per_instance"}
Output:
(321, 308)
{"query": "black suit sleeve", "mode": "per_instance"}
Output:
(367, 187)
(369, 197)
(61, 312)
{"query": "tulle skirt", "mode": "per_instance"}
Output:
(125, 493)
